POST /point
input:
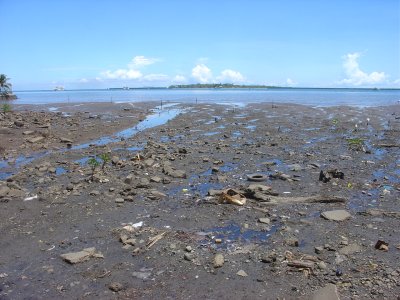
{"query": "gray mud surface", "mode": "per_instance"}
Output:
(156, 218)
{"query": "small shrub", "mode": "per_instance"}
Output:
(5, 108)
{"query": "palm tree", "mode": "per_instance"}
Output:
(5, 87)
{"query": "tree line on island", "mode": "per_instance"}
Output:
(219, 86)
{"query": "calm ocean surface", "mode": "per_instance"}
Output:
(314, 97)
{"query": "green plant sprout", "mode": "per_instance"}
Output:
(106, 158)
(93, 163)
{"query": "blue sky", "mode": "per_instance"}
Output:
(101, 44)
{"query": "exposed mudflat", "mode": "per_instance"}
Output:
(157, 210)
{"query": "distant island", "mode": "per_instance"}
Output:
(219, 86)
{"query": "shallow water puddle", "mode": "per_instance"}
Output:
(234, 233)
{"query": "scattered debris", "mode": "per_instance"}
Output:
(382, 245)
(232, 196)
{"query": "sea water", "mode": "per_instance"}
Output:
(239, 97)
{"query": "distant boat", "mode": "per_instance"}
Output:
(59, 88)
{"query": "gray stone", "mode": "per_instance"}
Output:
(350, 249)
(4, 190)
(119, 200)
(242, 273)
(188, 256)
(336, 215)
(174, 173)
(36, 139)
(218, 261)
(115, 286)
(155, 179)
(141, 275)
(329, 292)
(143, 183)
(28, 132)
(81, 256)
(264, 220)
(319, 249)
(19, 123)
(295, 167)
(65, 140)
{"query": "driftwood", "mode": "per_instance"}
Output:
(380, 212)
(311, 199)
(301, 264)
(388, 145)
(155, 239)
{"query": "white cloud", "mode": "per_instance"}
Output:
(141, 61)
(202, 73)
(290, 82)
(179, 79)
(355, 76)
(84, 80)
(397, 82)
(122, 74)
(230, 76)
(132, 71)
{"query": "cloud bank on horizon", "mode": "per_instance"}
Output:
(135, 73)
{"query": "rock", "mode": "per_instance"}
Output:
(264, 220)
(114, 160)
(81, 256)
(318, 249)
(141, 275)
(188, 249)
(148, 162)
(350, 249)
(65, 140)
(155, 179)
(28, 132)
(188, 256)
(4, 190)
(174, 173)
(154, 195)
(19, 123)
(293, 242)
(242, 273)
(268, 257)
(329, 292)
(36, 139)
(382, 245)
(336, 215)
(143, 183)
(128, 179)
(115, 286)
(295, 167)
(94, 193)
(119, 200)
(218, 261)
(321, 265)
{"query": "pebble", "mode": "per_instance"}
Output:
(115, 286)
(218, 260)
(119, 200)
(242, 273)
